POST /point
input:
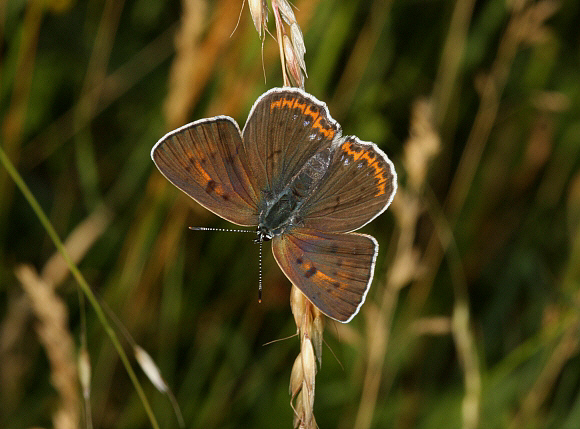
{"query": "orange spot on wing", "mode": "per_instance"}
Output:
(218, 189)
(204, 173)
(306, 109)
(324, 277)
(318, 276)
(379, 170)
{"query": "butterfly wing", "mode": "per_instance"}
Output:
(358, 186)
(285, 128)
(207, 160)
(334, 271)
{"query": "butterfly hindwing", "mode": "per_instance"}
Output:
(358, 186)
(206, 160)
(334, 271)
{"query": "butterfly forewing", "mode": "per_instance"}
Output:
(285, 128)
(358, 186)
(334, 271)
(206, 160)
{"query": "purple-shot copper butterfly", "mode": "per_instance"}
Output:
(292, 174)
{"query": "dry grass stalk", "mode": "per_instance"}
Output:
(467, 354)
(526, 21)
(446, 81)
(526, 26)
(259, 12)
(185, 66)
(437, 325)
(309, 320)
(291, 47)
(77, 244)
(310, 326)
(84, 365)
(53, 333)
(421, 147)
(54, 272)
(189, 75)
(530, 411)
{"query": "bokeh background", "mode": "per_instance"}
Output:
(473, 317)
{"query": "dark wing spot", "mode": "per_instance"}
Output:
(225, 197)
(310, 272)
(336, 284)
(274, 153)
(210, 187)
(299, 261)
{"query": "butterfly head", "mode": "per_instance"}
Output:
(263, 234)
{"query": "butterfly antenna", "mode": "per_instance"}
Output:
(205, 228)
(260, 275)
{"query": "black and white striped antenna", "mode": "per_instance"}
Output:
(205, 228)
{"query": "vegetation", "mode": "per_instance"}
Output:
(472, 319)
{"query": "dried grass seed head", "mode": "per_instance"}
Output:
(259, 12)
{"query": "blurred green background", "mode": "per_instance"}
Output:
(473, 317)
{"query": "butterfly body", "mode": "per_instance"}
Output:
(282, 210)
(291, 174)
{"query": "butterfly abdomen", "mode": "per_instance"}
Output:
(307, 179)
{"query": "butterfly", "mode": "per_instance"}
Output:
(291, 174)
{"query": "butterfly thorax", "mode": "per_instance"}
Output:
(281, 210)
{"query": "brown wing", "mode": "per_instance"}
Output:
(285, 128)
(206, 160)
(358, 186)
(334, 271)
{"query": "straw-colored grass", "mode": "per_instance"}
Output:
(472, 319)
